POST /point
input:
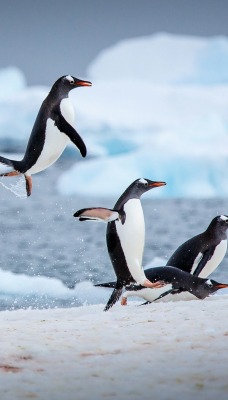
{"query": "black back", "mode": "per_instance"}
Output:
(50, 108)
(116, 254)
(181, 281)
(205, 243)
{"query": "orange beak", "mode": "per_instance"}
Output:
(222, 285)
(83, 83)
(157, 184)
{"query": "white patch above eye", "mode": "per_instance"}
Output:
(223, 217)
(69, 78)
(142, 180)
(209, 283)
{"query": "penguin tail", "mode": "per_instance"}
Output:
(114, 296)
(10, 167)
(106, 285)
(13, 168)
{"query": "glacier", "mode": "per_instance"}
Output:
(158, 109)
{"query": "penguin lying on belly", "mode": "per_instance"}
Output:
(177, 281)
(198, 256)
(125, 236)
(51, 132)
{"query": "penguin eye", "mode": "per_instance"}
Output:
(209, 284)
(71, 82)
(146, 184)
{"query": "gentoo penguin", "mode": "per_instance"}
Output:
(202, 254)
(199, 256)
(125, 236)
(51, 132)
(177, 281)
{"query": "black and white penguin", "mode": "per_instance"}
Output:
(198, 256)
(125, 236)
(202, 254)
(52, 130)
(177, 281)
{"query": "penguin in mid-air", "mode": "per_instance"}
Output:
(202, 254)
(52, 130)
(176, 280)
(125, 236)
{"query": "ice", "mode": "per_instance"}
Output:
(200, 177)
(19, 105)
(25, 290)
(12, 81)
(157, 109)
(164, 59)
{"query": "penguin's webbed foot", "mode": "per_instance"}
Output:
(28, 182)
(154, 285)
(124, 301)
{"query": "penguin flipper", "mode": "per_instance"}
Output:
(114, 297)
(98, 214)
(164, 294)
(106, 285)
(206, 257)
(7, 167)
(72, 134)
(144, 304)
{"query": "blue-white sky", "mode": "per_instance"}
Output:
(50, 38)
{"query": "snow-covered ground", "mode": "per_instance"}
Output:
(164, 351)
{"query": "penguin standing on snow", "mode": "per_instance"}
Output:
(51, 132)
(176, 280)
(125, 236)
(202, 254)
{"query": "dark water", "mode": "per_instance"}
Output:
(40, 237)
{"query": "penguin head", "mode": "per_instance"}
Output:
(207, 287)
(219, 224)
(140, 186)
(68, 82)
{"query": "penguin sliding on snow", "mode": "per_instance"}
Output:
(125, 236)
(199, 256)
(176, 280)
(51, 132)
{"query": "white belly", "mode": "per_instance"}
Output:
(132, 238)
(215, 260)
(152, 294)
(55, 141)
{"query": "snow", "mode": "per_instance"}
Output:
(163, 351)
(170, 349)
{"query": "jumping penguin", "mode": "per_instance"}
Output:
(51, 132)
(125, 236)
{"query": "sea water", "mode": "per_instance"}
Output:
(50, 259)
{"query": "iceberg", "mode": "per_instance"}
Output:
(158, 109)
(163, 59)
